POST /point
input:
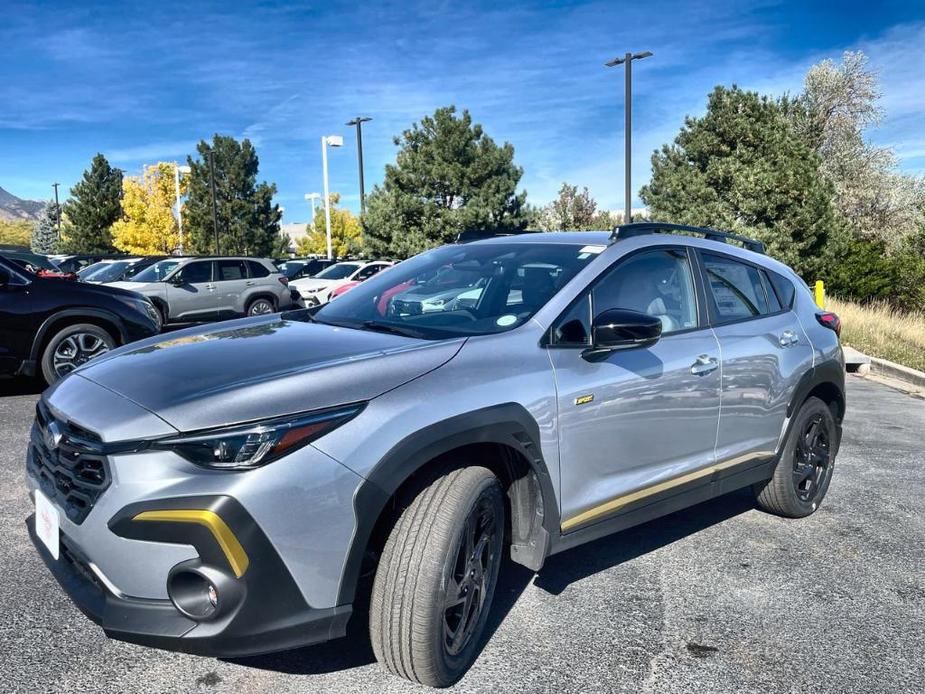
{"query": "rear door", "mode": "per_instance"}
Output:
(640, 424)
(192, 296)
(231, 286)
(764, 354)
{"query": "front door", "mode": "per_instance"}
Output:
(640, 423)
(231, 284)
(17, 321)
(191, 293)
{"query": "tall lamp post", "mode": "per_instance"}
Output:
(211, 154)
(627, 60)
(57, 210)
(358, 122)
(177, 170)
(328, 141)
(311, 197)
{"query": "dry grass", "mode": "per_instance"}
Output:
(879, 331)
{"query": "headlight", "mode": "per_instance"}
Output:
(248, 446)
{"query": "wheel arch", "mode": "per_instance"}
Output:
(102, 318)
(825, 381)
(261, 294)
(503, 438)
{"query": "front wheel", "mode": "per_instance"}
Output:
(804, 471)
(436, 578)
(73, 346)
(260, 307)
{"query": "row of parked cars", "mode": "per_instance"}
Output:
(53, 318)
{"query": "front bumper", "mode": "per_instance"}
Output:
(266, 611)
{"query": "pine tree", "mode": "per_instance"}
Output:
(94, 207)
(742, 167)
(248, 220)
(45, 231)
(448, 177)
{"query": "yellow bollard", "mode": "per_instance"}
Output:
(819, 293)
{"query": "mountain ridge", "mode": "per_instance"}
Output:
(13, 208)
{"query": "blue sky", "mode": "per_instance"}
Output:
(143, 82)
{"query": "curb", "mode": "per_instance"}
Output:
(899, 372)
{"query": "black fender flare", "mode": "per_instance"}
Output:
(48, 323)
(829, 372)
(508, 424)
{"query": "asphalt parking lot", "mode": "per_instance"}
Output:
(718, 598)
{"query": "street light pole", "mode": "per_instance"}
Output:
(57, 210)
(214, 204)
(333, 141)
(358, 122)
(627, 60)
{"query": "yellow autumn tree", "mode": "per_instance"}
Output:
(148, 225)
(346, 238)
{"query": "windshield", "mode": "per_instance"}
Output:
(156, 272)
(460, 290)
(108, 272)
(32, 262)
(291, 268)
(90, 269)
(337, 272)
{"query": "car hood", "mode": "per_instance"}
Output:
(312, 283)
(255, 368)
(130, 286)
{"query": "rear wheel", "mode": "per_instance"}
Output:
(73, 346)
(436, 578)
(805, 468)
(260, 307)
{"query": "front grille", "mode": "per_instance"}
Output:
(68, 463)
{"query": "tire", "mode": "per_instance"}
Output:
(261, 306)
(73, 346)
(804, 471)
(161, 316)
(415, 634)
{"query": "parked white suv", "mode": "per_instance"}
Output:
(205, 289)
(317, 290)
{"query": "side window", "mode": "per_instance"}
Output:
(368, 272)
(256, 269)
(573, 329)
(783, 287)
(196, 273)
(736, 288)
(658, 283)
(230, 270)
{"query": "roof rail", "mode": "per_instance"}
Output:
(626, 231)
(481, 234)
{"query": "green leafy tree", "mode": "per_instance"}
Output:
(449, 176)
(248, 220)
(94, 206)
(743, 167)
(45, 231)
(346, 237)
(574, 210)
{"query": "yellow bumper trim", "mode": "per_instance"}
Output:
(234, 552)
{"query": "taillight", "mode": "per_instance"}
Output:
(830, 321)
(283, 280)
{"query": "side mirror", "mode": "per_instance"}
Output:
(176, 279)
(620, 328)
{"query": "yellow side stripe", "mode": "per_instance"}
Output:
(619, 502)
(234, 552)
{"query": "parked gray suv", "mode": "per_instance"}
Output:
(187, 290)
(249, 487)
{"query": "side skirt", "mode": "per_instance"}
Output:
(672, 500)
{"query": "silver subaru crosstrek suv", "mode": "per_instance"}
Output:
(253, 486)
(187, 290)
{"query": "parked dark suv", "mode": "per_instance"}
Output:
(51, 326)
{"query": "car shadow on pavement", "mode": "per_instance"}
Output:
(21, 386)
(558, 573)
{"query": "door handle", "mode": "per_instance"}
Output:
(787, 338)
(704, 365)
(210, 287)
(249, 284)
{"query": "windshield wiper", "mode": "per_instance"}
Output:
(391, 329)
